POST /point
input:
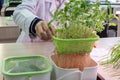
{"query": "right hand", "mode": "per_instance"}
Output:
(43, 31)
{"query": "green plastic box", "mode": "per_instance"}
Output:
(26, 68)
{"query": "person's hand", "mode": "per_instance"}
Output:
(43, 31)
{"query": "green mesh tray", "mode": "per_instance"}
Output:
(25, 66)
(70, 46)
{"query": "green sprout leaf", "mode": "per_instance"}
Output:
(78, 14)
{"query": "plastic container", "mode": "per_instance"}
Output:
(26, 68)
(89, 73)
(68, 46)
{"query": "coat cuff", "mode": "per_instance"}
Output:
(32, 27)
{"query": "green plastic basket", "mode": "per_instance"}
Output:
(78, 46)
(26, 66)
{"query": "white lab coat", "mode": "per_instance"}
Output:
(28, 10)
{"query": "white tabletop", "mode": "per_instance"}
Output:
(47, 48)
(99, 53)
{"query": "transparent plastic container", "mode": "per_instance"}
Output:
(26, 68)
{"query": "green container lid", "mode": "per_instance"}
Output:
(26, 66)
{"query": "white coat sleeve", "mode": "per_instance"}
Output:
(24, 14)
